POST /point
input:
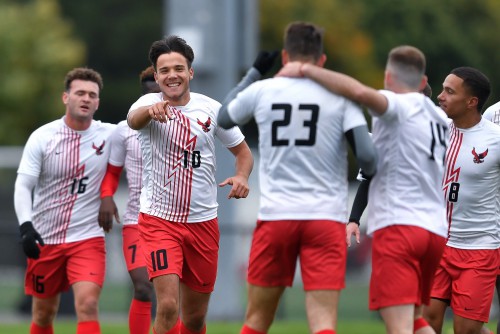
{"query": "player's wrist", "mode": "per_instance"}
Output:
(353, 220)
(26, 227)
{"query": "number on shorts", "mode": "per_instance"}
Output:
(38, 285)
(133, 248)
(159, 259)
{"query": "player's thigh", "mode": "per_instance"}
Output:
(273, 253)
(86, 261)
(201, 252)
(473, 290)
(161, 241)
(46, 276)
(323, 254)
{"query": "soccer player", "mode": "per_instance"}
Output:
(178, 204)
(303, 136)
(406, 211)
(465, 279)
(62, 165)
(126, 152)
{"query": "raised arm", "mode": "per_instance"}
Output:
(261, 66)
(140, 117)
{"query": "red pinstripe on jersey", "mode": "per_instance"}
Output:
(64, 166)
(174, 179)
(451, 173)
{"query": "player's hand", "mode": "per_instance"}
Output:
(350, 229)
(107, 211)
(161, 112)
(29, 237)
(239, 189)
(264, 61)
(291, 69)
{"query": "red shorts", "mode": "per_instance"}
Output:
(132, 250)
(467, 277)
(320, 245)
(404, 260)
(189, 250)
(62, 265)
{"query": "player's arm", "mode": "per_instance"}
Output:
(23, 200)
(358, 207)
(140, 117)
(338, 83)
(108, 208)
(261, 66)
(362, 146)
(244, 166)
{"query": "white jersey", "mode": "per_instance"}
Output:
(492, 114)
(472, 186)
(179, 160)
(126, 152)
(70, 166)
(410, 138)
(303, 151)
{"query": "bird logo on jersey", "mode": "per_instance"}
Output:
(205, 126)
(479, 158)
(98, 149)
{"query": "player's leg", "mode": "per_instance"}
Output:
(420, 325)
(398, 319)
(321, 309)
(323, 258)
(201, 252)
(434, 314)
(261, 307)
(474, 289)
(44, 311)
(271, 268)
(86, 306)
(194, 307)
(497, 284)
(86, 262)
(167, 297)
(140, 307)
(45, 279)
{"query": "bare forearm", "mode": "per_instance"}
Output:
(346, 86)
(138, 118)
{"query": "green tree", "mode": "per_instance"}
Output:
(37, 49)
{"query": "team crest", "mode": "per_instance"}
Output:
(205, 126)
(479, 157)
(98, 149)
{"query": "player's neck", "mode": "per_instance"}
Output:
(467, 121)
(77, 124)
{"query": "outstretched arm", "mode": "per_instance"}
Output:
(338, 83)
(244, 166)
(261, 66)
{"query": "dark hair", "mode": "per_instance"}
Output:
(427, 91)
(170, 44)
(148, 82)
(476, 83)
(303, 40)
(82, 73)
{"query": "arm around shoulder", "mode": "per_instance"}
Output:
(346, 86)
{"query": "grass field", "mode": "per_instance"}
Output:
(279, 327)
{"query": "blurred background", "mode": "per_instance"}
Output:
(40, 40)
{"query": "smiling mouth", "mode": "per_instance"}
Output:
(173, 84)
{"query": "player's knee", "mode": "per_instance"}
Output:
(167, 308)
(86, 307)
(143, 291)
(44, 316)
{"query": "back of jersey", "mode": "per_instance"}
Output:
(303, 153)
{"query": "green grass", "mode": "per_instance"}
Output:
(279, 327)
